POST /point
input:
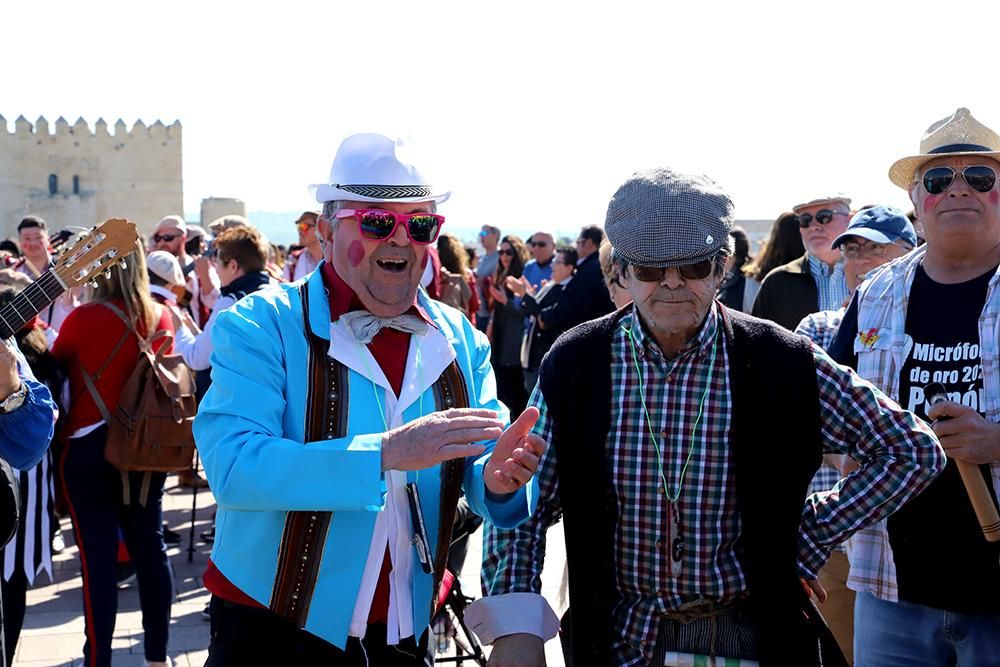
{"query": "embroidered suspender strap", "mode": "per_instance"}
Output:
(301, 550)
(449, 392)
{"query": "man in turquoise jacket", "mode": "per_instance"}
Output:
(348, 411)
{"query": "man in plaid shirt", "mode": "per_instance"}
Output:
(875, 235)
(684, 436)
(928, 581)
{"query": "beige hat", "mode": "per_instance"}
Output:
(165, 266)
(172, 222)
(830, 199)
(220, 225)
(958, 134)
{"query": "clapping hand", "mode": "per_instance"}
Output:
(498, 295)
(516, 455)
(519, 286)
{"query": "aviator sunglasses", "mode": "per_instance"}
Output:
(823, 217)
(696, 271)
(978, 177)
(378, 225)
(167, 238)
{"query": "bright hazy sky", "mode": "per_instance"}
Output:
(534, 111)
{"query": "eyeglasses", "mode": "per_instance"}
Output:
(508, 253)
(304, 226)
(379, 225)
(696, 271)
(823, 217)
(157, 238)
(852, 250)
(938, 179)
(539, 244)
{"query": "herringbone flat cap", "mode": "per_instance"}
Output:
(662, 218)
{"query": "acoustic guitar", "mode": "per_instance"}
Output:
(94, 252)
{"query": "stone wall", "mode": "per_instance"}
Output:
(216, 207)
(70, 175)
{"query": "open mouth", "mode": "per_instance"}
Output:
(392, 265)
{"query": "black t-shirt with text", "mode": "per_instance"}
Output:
(942, 559)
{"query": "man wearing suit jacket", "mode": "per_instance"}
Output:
(541, 309)
(586, 297)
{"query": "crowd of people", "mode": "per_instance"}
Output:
(741, 445)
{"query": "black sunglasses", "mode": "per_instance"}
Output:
(539, 244)
(165, 237)
(509, 253)
(979, 177)
(823, 217)
(696, 271)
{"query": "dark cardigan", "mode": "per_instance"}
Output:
(775, 438)
(787, 294)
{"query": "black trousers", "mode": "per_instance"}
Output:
(94, 489)
(14, 594)
(243, 635)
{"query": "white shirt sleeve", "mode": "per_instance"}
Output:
(497, 616)
(197, 350)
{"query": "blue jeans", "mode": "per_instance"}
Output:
(887, 634)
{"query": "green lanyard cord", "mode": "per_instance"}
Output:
(649, 421)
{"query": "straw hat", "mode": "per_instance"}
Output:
(958, 134)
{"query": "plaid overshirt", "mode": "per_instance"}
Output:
(831, 286)
(900, 461)
(882, 347)
(820, 328)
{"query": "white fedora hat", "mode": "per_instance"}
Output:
(958, 134)
(375, 168)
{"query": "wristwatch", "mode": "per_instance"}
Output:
(14, 401)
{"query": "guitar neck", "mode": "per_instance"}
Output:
(29, 302)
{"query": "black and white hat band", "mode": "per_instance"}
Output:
(388, 191)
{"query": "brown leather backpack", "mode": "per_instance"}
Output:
(150, 429)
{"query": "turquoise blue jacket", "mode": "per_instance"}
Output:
(250, 431)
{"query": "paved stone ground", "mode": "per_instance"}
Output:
(53, 625)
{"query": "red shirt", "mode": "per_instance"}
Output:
(86, 340)
(389, 347)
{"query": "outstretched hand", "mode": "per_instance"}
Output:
(516, 455)
(438, 437)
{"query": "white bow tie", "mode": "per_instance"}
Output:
(364, 326)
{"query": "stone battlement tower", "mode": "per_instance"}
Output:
(73, 176)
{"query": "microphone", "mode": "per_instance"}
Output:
(972, 477)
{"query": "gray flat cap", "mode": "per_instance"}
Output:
(662, 218)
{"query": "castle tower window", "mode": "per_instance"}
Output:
(76, 185)
(53, 184)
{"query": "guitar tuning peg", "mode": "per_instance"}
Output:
(93, 283)
(123, 265)
(107, 274)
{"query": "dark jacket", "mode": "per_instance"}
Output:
(776, 449)
(787, 294)
(586, 297)
(508, 332)
(539, 339)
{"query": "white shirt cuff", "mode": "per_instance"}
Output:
(512, 613)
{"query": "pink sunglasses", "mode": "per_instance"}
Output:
(379, 225)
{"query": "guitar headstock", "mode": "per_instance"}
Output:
(96, 251)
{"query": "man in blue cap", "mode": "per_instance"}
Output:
(875, 236)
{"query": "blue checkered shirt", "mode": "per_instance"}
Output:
(900, 461)
(831, 287)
